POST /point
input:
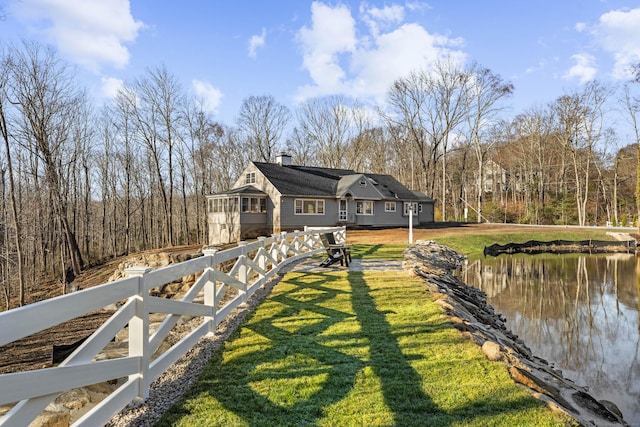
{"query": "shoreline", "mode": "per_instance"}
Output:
(467, 309)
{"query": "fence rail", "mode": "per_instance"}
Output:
(252, 265)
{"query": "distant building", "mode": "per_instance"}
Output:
(273, 197)
(496, 178)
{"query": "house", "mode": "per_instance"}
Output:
(274, 197)
(495, 177)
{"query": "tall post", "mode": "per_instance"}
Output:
(284, 245)
(262, 260)
(275, 249)
(242, 271)
(296, 242)
(139, 332)
(411, 223)
(210, 290)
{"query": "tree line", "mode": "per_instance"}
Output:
(81, 183)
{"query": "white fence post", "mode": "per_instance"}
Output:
(262, 260)
(275, 248)
(242, 271)
(296, 242)
(284, 245)
(139, 332)
(210, 290)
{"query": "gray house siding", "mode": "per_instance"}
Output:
(298, 221)
(383, 218)
(427, 214)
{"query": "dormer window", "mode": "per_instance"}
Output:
(250, 178)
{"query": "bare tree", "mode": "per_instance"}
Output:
(430, 105)
(303, 149)
(407, 121)
(327, 123)
(156, 101)
(43, 91)
(485, 92)
(448, 87)
(632, 108)
(4, 132)
(263, 120)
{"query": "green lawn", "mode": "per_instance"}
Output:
(354, 349)
(472, 244)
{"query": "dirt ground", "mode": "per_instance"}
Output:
(35, 352)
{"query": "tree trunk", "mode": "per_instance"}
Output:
(14, 209)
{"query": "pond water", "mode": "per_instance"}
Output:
(579, 312)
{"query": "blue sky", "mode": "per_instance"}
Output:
(224, 51)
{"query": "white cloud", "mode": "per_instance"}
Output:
(341, 63)
(580, 27)
(111, 86)
(584, 68)
(396, 54)
(93, 33)
(377, 19)
(617, 32)
(534, 68)
(210, 95)
(255, 42)
(332, 32)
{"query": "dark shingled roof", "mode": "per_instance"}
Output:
(246, 189)
(390, 187)
(302, 180)
(313, 181)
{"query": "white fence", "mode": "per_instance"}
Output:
(34, 390)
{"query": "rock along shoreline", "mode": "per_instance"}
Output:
(467, 308)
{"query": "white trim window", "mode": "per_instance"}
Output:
(389, 206)
(308, 207)
(254, 205)
(364, 207)
(250, 178)
(415, 208)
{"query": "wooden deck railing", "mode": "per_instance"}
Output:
(32, 391)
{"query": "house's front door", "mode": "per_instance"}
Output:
(342, 211)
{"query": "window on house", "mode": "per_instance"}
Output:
(364, 207)
(414, 207)
(250, 178)
(254, 205)
(233, 204)
(389, 206)
(363, 183)
(309, 207)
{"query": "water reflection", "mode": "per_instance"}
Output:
(579, 312)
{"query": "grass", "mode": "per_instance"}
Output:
(378, 251)
(473, 244)
(354, 349)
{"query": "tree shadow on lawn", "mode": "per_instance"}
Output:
(314, 358)
(360, 250)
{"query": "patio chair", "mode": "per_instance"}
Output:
(336, 252)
